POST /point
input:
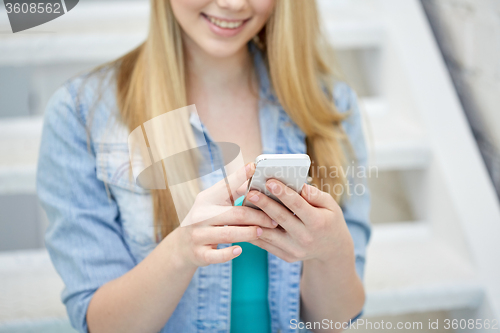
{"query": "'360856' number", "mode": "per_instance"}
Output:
(477, 324)
(33, 8)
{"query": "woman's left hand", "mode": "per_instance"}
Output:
(313, 226)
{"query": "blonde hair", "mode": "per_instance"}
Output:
(151, 80)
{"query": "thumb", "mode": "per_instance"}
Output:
(230, 186)
(218, 256)
(316, 197)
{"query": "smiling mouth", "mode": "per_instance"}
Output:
(224, 24)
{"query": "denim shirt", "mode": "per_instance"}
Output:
(101, 222)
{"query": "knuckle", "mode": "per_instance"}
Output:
(200, 255)
(253, 215)
(267, 237)
(280, 191)
(207, 258)
(296, 204)
(281, 217)
(261, 218)
(264, 202)
(195, 234)
(225, 234)
(254, 232)
(306, 239)
(239, 215)
(265, 221)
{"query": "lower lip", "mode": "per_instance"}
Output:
(223, 32)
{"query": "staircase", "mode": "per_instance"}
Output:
(436, 218)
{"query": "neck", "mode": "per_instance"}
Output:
(215, 74)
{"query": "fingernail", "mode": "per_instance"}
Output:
(259, 232)
(254, 198)
(305, 189)
(272, 185)
(237, 251)
(274, 223)
(249, 168)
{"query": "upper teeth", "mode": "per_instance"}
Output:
(225, 24)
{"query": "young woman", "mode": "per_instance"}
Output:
(256, 73)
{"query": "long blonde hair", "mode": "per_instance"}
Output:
(151, 81)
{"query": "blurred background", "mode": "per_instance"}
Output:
(428, 77)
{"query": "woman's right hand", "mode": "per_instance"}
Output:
(213, 220)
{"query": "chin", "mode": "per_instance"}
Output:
(223, 49)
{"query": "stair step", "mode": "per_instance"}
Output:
(351, 25)
(93, 32)
(395, 141)
(395, 145)
(19, 144)
(30, 287)
(409, 271)
(105, 37)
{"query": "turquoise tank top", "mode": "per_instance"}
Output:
(249, 304)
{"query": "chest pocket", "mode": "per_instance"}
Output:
(134, 203)
(113, 167)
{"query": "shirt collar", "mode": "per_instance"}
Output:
(272, 116)
(260, 64)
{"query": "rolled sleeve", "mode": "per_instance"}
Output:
(84, 237)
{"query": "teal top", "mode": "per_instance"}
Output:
(249, 305)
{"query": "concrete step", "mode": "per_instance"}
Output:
(93, 32)
(19, 144)
(394, 145)
(395, 141)
(30, 287)
(104, 30)
(409, 271)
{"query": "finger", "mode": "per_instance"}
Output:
(229, 234)
(217, 256)
(291, 199)
(278, 252)
(317, 197)
(278, 238)
(276, 211)
(242, 190)
(241, 216)
(222, 191)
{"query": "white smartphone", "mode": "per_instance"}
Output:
(291, 169)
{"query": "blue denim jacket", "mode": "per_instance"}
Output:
(101, 221)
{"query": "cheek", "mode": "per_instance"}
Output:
(185, 11)
(262, 8)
